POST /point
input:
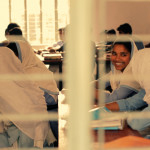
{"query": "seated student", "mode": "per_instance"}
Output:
(32, 65)
(13, 32)
(140, 75)
(20, 97)
(12, 29)
(122, 52)
(61, 36)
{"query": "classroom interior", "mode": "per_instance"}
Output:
(40, 21)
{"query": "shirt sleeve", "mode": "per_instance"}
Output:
(139, 123)
(135, 102)
(121, 93)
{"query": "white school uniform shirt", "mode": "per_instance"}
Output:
(141, 71)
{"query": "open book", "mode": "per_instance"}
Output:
(109, 123)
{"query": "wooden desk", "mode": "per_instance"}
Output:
(54, 62)
(111, 135)
(58, 62)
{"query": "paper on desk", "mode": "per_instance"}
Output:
(52, 56)
(109, 123)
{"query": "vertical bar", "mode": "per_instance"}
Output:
(79, 72)
(56, 20)
(25, 14)
(9, 10)
(102, 26)
(41, 24)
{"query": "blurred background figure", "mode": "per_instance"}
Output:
(110, 39)
(59, 46)
(127, 30)
(11, 27)
(14, 32)
(61, 37)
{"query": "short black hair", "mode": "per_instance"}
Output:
(15, 31)
(112, 31)
(125, 28)
(10, 27)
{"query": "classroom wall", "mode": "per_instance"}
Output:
(135, 13)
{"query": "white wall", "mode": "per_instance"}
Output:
(137, 14)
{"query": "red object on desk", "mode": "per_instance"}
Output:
(111, 135)
(127, 142)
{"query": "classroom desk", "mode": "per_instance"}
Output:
(57, 62)
(111, 135)
(52, 61)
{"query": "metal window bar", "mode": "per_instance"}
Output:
(10, 10)
(78, 54)
(41, 24)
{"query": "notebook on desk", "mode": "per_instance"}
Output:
(109, 123)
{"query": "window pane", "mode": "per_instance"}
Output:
(40, 27)
(4, 15)
(17, 13)
(33, 21)
(63, 13)
(48, 21)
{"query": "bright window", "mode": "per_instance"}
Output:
(39, 19)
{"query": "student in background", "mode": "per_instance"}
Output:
(127, 30)
(61, 37)
(59, 46)
(12, 26)
(13, 32)
(12, 29)
(110, 38)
